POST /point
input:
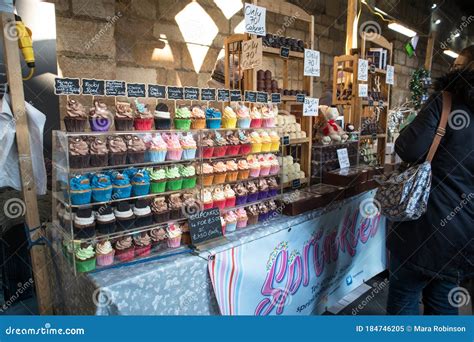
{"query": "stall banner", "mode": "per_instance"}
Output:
(304, 269)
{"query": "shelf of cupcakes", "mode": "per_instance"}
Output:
(248, 215)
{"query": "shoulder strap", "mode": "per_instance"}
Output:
(442, 125)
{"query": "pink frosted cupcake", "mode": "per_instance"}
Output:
(104, 253)
(175, 150)
(242, 218)
(189, 146)
(156, 149)
(274, 165)
(229, 196)
(265, 166)
(230, 221)
(254, 166)
(218, 198)
(174, 236)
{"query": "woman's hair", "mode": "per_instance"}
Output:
(468, 54)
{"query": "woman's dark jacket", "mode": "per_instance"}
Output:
(441, 242)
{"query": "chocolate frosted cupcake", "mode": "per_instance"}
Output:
(124, 216)
(143, 214)
(99, 152)
(162, 117)
(252, 214)
(79, 156)
(117, 150)
(105, 220)
(175, 205)
(135, 149)
(160, 210)
(76, 117)
(84, 224)
(123, 116)
(158, 236)
(100, 118)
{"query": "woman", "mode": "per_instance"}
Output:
(430, 256)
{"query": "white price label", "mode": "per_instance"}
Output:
(363, 90)
(310, 106)
(311, 63)
(343, 158)
(363, 70)
(255, 19)
(390, 78)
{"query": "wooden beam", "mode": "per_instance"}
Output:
(352, 25)
(429, 50)
(15, 83)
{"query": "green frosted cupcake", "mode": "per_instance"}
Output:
(189, 176)
(174, 181)
(157, 180)
(85, 258)
(182, 118)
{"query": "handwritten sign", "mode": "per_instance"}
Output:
(205, 225)
(223, 95)
(276, 97)
(255, 19)
(136, 90)
(251, 54)
(284, 52)
(157, 91)
(363, 90)
(390, 78)
(343, 158)
(67, 86)
(362, 70)
(310, 106)
(191, 93)
(208, 94)
(312, 63)
(300, 98)
(175, 93)
(262, 97)
(93, 87)
(115, 88)
(235, 95)
(251, 96)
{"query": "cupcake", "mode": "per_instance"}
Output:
(188, 173)
(190, 205)
(124, 249)
(135, 149)
(233, 144)
(85, 258)
(174, 182)
(104, 253)
(245, 145)
(252, 214)
(230, 221)
(272, 209)
(143, 118)
(186, 235)
(256, 117)
(243, 116)
(101, 188)
(274, 164)
(266, 141)
(229, 195)
(160, 210)
(157, 180)
(162, 117)
(241, 194)
(206, 199)
(188, 145)
(262, 189)
(198, 118)
(143, 214)
(176, 206)
(253, 192)
(262, 212)
(206, 173)
(158, 236)
(140, 183)
(273, 188)
(117, 150)
(207, 146)
(156, 149)
(265, 166)
(220, 172)
(99, 152)
(213, 118)
(76, 117)
(175, 150)
(84, 224)
(79, 156)
(275, 139)
(124, 216)
(100, 118)
(105, 220)
(232, 171)
(241, 218)
(254, 166)
(121, 187)
(229, 118)
(174, 236)
(256, 142)
(268, 117)
(123, 117)
(218, 198)
(182, 118)
(80, 190)
(220, 147)
(244, 170)
(142, 242)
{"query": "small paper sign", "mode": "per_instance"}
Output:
(311, 63)
(93, 87)
(285, 140)
(191, 93)
(310, 106)
(362, 70)
(157, 91)
(255, 19)
(67, 86)
(235, 95)
(205, 225)
(208, 94)
(284, 52)
(115, 88)
(175, 93)
(136, 90)
(251, 96)
(251, 54)
(343, 158)
(296, 183)
(363, 90)
(300, 98)
(276, 98)
(223, 95)
(262, 97)
(390, 78)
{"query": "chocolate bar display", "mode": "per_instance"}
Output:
(324, 158)
(298, 202)
(349, 176)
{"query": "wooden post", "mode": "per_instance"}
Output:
(15, 83)
(429, 50)
(352, 25)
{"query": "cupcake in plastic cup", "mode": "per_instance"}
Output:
(275, 139)
(142, 242)
(262, 189)
(143, 118)
(123, 116)
(274, 165)
(253, 192)
(242, 218)
(206, 199)
(274, 189)
(175, 151)
(232, 171)
(220, 148)
(136, 149)
(268, 116)
(104, 253)
(229, 196)
(156, 149)
(220, 172)
(218, 198)
(124, 249)
(174, 235)
(188, 173)
(230, 221)
(245, 144)
(213, 118)
(266, 141)
(254, 166)
(182, 118)
(241, 194)
(162, 117)
(244, 170)
(157, 180)
(252, 214)
(198, 118)
(265, 166)
(76, 117)
(233, 147)
(117, 150)
(256, 142)
(207, 146)
(229, 118)
(85, 258)
(100, 118)
(174, 181)
(243, 116)
(256, 117)
(189, 146)
(206, 174)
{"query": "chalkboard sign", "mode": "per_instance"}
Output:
(136, 90)
(300, 98)
(115, 88)
(157, 91)
(276, 98)
(251, 96)
(208, 94)
(262, 97)
(296, 183)
(205, 225)
(191, 93)
(223, 95)
(67, 86)
(370, 103)
(285, 140)
(285, 52)
(235, 95)
(93, 87)
(381, 104)
(175, 93)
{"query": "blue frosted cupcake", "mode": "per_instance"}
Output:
(101, 188)
(80, 190)
(140, 183)
(213, 118)
(189, 146)
(121, 187)
(157, 149)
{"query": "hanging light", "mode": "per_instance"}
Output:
(437, 22)
(451, 53)
(434, 6)
(402, 29)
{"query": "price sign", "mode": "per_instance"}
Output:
(115, 88)
(363, 90)
(175, 93)
(208, 94)
(255, 19)
(296, 183)
(343, 158)
(157, 91)
(285, 140)
(285, 52)
(93, 87)
(191, 93)
(311, 63)
(205, 225)
(310, 106)
(390, 78)
(276, 98)
(136, 90)
(251, 96)
(67, 86)
(300, 98)
(223, 95)
(363, 70)
(235, 95)
(251, 54)
(262, 97)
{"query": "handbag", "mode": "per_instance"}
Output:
(404, 195)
